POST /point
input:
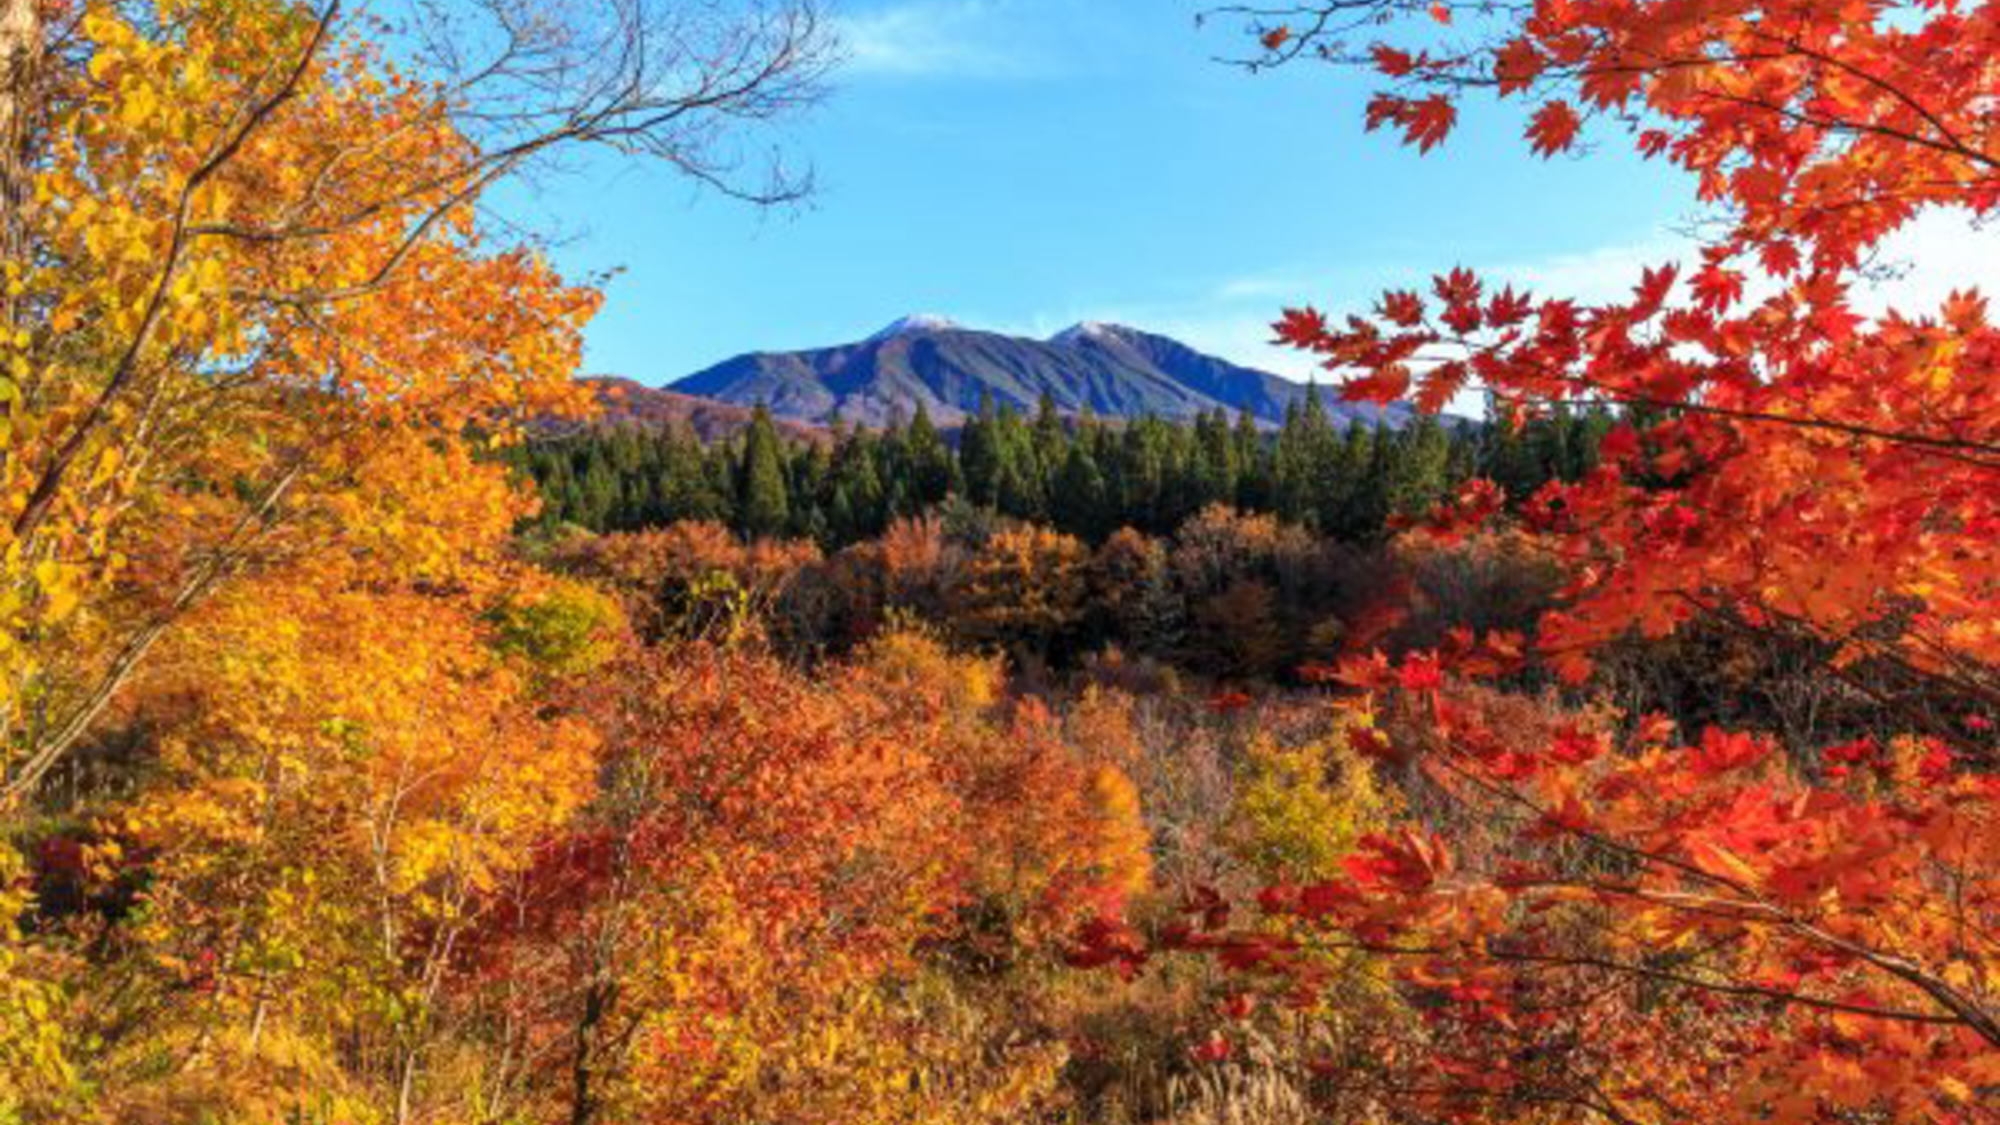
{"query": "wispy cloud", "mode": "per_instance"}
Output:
(1940, 252)
(1232, 317)
(930, 39)
(1261, 288)
(1921, 265)
(1602, 274)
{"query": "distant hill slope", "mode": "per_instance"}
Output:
(629, 403)
(1112, 370)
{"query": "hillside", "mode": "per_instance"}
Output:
(628, 402)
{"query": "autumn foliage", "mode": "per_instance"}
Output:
(338, 788)
(1606, 912)
(743, 924)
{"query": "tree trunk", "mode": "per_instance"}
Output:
(583, 1098)
(20, 69)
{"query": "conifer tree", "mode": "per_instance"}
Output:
(979, 454)
(859, 511)
(930, 472)
(1077, 502)
(763, 508)
(1253, 461)
(1050, 439)
(1418, 475)
(1215, 464)
(1019, 490)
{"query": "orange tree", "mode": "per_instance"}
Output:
(1615, 918)
(1025, 585)
(791, 897)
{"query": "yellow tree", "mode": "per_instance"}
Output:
(349, 751)
(250, 317)
(245, 244)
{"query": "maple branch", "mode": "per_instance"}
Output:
(1928, 443)
(1649, 972)
(1951, 138)
(43, 495)
(1602, 394)
(1839, 125)
(1969, 1011)
(199, 583)
(1643, 856)
(1865, 684)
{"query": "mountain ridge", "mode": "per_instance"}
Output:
(1110, 370)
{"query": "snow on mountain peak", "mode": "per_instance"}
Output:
(1086, 330)
(915, 323)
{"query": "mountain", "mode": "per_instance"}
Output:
(625, 402)
(1109, 369)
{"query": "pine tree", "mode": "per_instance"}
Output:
(1254, 464)
(859, 511)
(1215, 466)
(979, 454)
(1304, 452)
(685, 489)
(1077, 502)
(1418, 475)
(1019, 490)
(597, 491)
(1143, 474)
(763, 508)
(932, 474)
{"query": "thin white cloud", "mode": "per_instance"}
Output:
(1261, 288)
(1921, 264)
(1603, 274)
(1940, 252)
(1930, 258)
(929, 39)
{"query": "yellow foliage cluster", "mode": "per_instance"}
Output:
(346, 771)
(247, 288)
(34, 1074)
(1299, 808)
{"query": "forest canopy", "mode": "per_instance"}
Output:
(1082, 476)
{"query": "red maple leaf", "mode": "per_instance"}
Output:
(1428, 122)
(1553, 128)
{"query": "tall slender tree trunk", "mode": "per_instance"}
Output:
(20, 72)
(583, 1096)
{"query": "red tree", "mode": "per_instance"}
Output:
(1634, 922)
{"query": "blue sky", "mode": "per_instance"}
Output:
(1024, 164)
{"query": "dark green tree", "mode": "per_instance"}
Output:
(763, 505)
(929, 472)
(979, 454)
(1077, 503)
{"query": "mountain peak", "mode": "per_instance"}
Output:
(915, 324)
(1087, 330)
